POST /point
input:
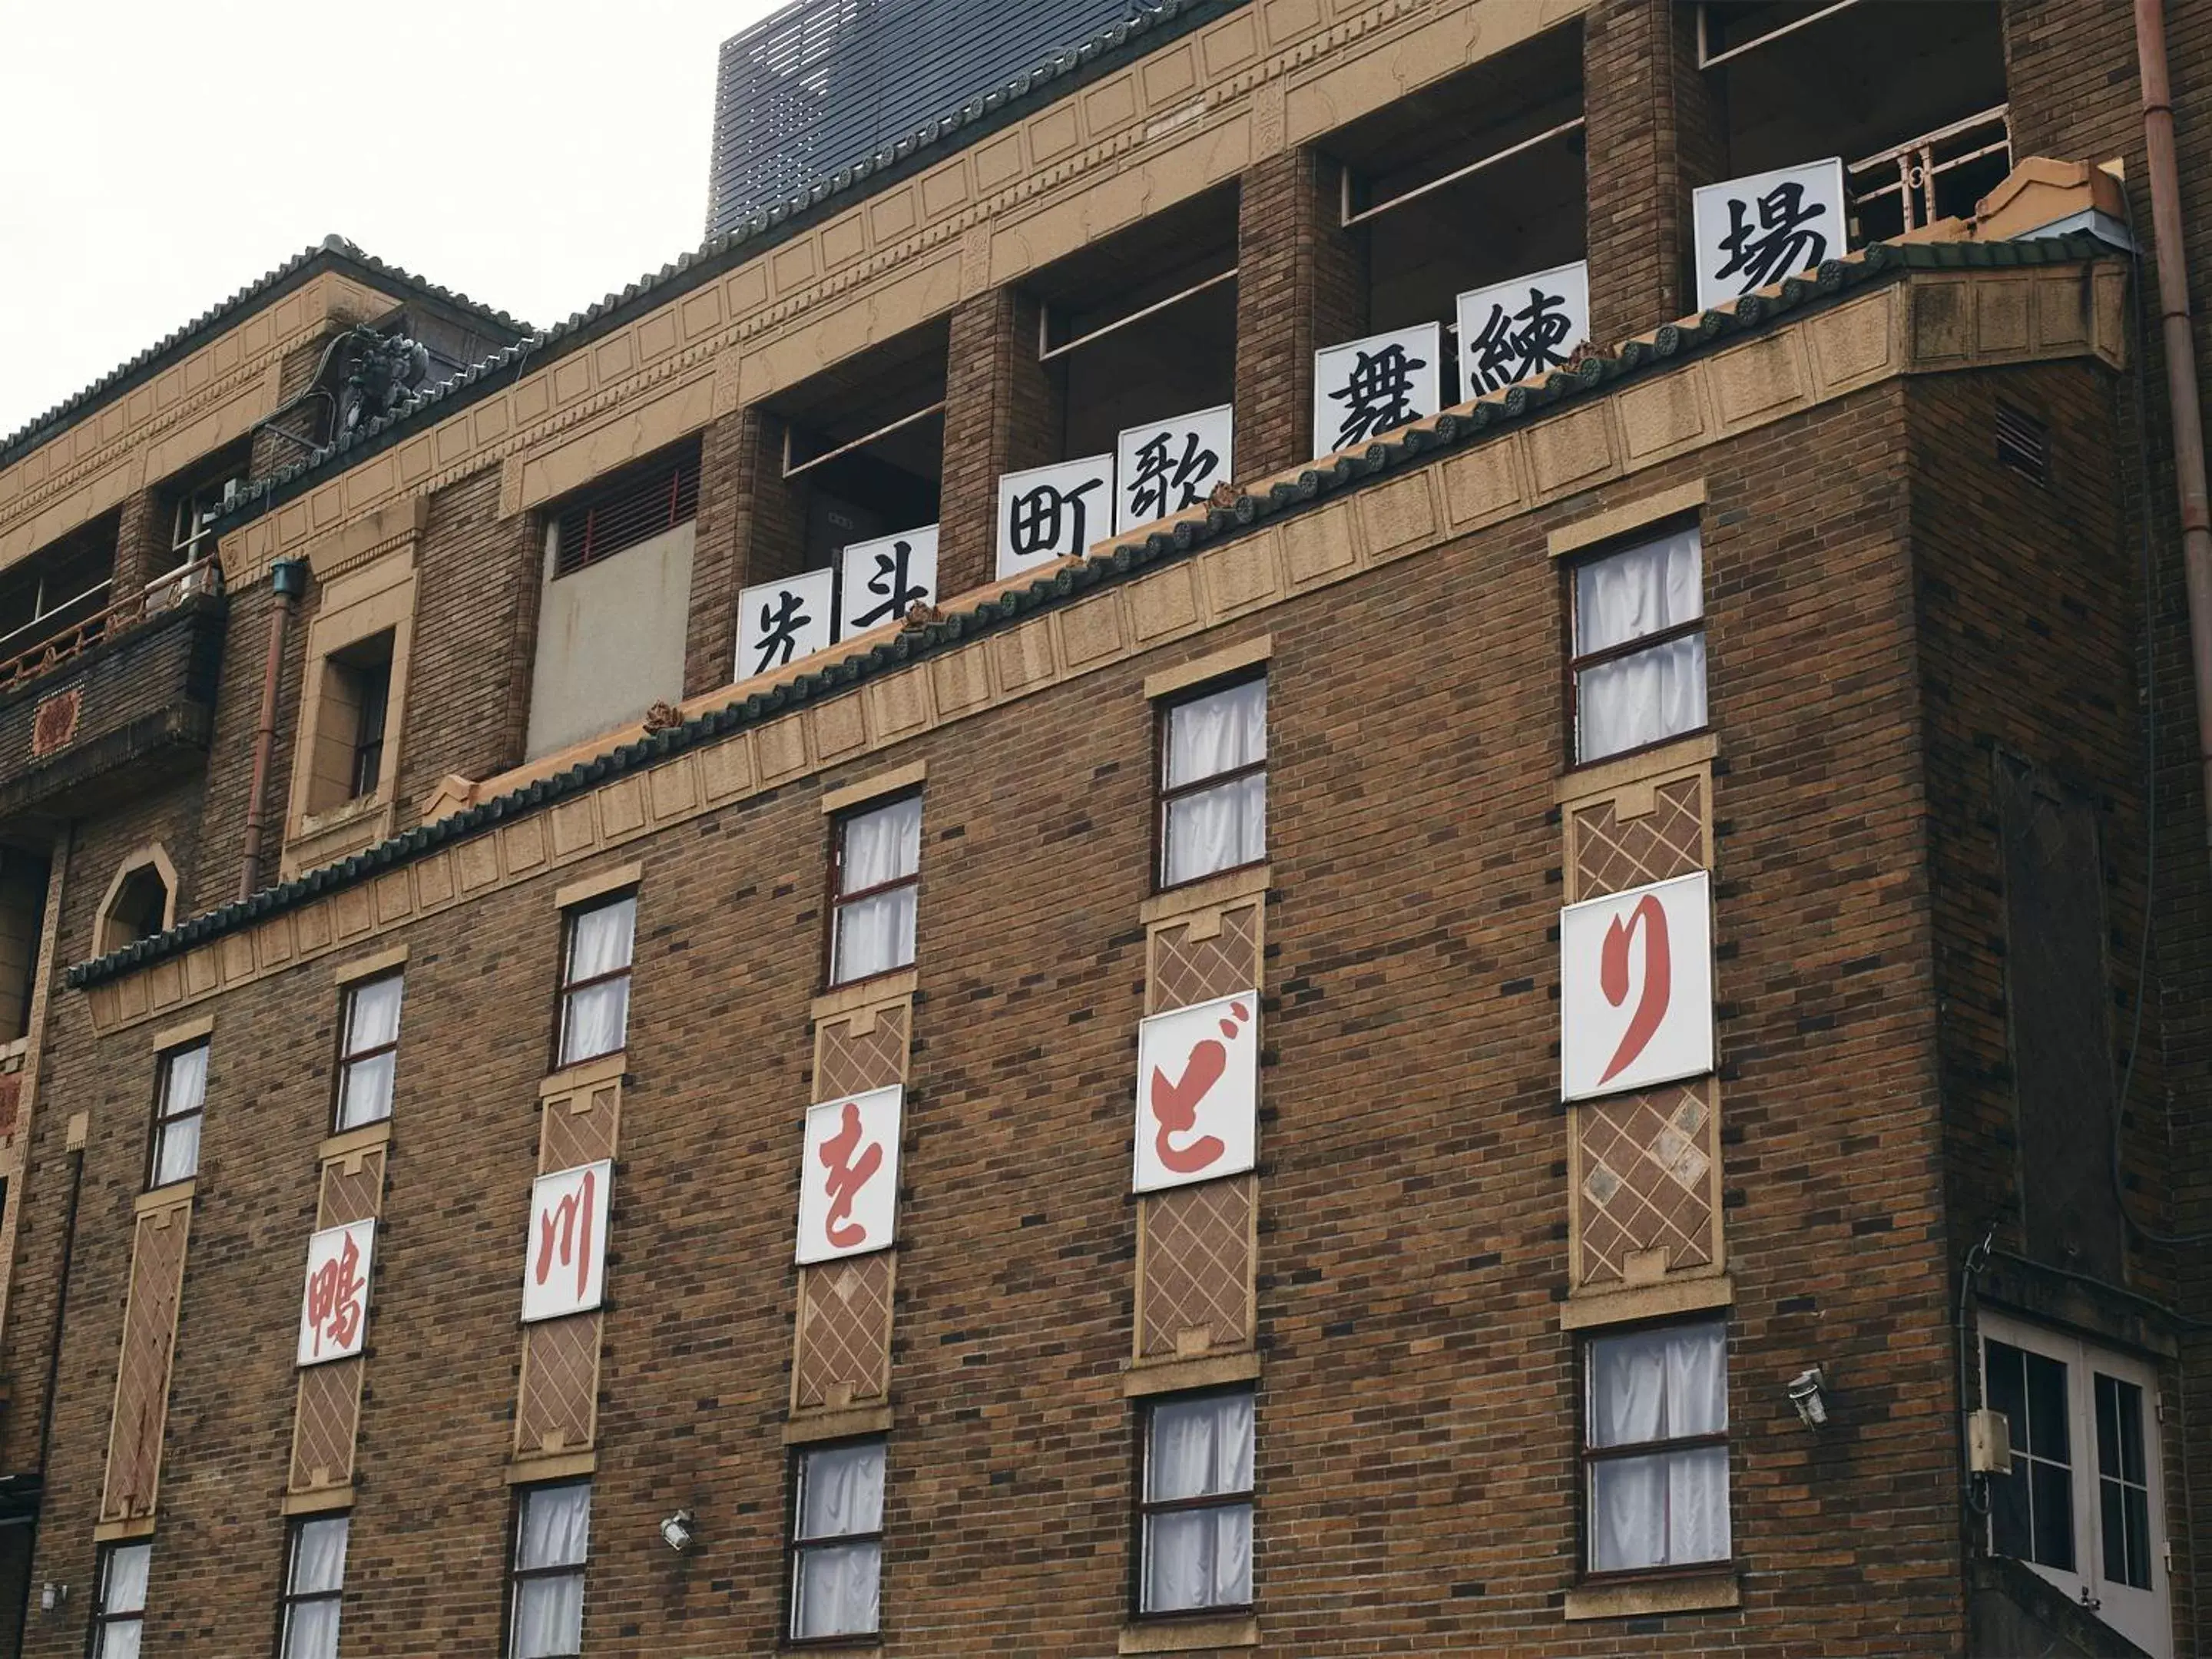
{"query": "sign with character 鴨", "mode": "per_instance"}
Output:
(1166, 467)
(780, 622)
(1049, 513)
(334, 1306)
(848, 1178)
(879, 581)
(1754, 231)
(1636, 988)
(1510, 332)
(1198, 1092)
(1365, 389)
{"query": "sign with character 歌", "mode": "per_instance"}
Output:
(1636, 988)
(1166, 467)
(848, 1178)
(1198, 1092)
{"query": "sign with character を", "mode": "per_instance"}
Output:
(848, 1179)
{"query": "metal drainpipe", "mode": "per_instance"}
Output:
(2180, 361)
(288, 579)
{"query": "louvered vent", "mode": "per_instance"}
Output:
(637, 503)
(2023, 443)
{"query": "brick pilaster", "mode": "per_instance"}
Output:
(751, 527)
(1301, 285)
(142, 544)
(1003, 412)
(1655, 133)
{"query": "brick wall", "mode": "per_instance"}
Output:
(1002, 414)
(1301, 285)
(752, 528)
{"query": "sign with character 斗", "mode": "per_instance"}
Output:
(1198, 1092)
(1636, 988)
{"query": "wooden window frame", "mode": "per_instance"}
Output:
(289, 1598)
(348, 1059)
(1165, 795)
(567, 989)
(795, 1548)
(518, 1575)
(101, 1618)
(369, 733)
(1587, 1455)
(838, 899)
(1142, 1510)
(1575, 665)
(163, 1119)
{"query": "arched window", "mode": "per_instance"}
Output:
(141, 901)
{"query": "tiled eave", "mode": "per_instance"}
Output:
(1468, 427)
(332, 253)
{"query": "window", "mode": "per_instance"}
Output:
(636, 504)
(369, 1043)
(314, 1580)
(58, 588)
(545, 1599)
(837, 1541)
(1639, 645)
(595, 979)
(177, 1110)
(875, 875)
(119, 1608)
(1213, 782)
(1194, 1517)
(2082, 1504)
(195, 499)
(350, 718)
(139, 902)
(1655, 1448)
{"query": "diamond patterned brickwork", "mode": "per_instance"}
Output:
(1612, 851)
(1646, 1177)
(322, 1425)
(579, 1127)
(867, 1051)
(54, 723)
(1195, 1287)
(141, 1384)
(557, 1409)
(354, 1194)
(844, 1340)
(1195, 961)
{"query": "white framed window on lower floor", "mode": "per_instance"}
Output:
(2084, 1504)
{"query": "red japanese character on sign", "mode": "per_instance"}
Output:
(334, 1305)
(1197, 1092)
(1650, 916)
(848, 1179)
(1636, 988)
(564, 1265)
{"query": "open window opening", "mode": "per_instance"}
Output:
(1911, 95)
(61, 591)
(351, 718)
(23, 876)
(141, 901)
(190, 502)
(1473, 182)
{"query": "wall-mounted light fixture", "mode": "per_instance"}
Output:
(1808, 1394)
(676, 1531)
(51, 1596)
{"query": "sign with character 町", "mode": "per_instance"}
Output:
(1049, 513)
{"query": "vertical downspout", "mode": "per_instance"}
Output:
(2180, 362)
(287, 578)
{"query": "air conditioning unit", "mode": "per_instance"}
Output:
(1988, 1442)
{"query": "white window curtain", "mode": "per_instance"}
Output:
(598, 1017)
(1199, 1557)
(123, 1592)
(875, 935)
(1648, 695)
(184, 1087)
(841, 1493)
(372, 1022)
(178, 1156)
(548, 1612)
(1222, 828)
(311, 1628)
(1669, 1507)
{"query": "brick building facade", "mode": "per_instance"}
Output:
(565, 949)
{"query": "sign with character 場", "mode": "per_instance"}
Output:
(1752, 231)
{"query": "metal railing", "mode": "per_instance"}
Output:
(1915, 183)
(164, 592)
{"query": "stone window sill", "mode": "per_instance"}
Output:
(1189, 1635)
(1644, 1597)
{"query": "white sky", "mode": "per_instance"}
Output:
(157, 155)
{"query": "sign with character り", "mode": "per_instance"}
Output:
(879, 581)
(1366, 389)
(1198, 1092)
(1754, 231)
(1049, 513)
(334, 1306)
(849, 1177)
(1166, 467)
(1636, 988)
(780, 622)
(565, 1267)
(1510, 332)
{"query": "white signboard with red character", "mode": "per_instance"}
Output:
(1198, 1092)
(334, 1307)
(849, 1181)
(566, 1270)
(1636, 988)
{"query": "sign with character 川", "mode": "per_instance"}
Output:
(565, 1266)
